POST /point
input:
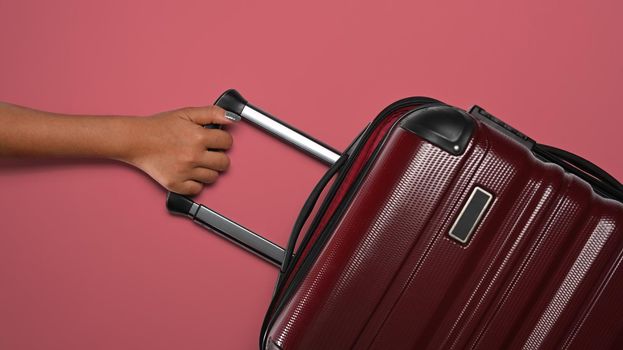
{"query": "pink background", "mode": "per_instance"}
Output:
(89, 257)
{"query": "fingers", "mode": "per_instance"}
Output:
(208, 168)
(217, 139)
(198, 178)
(218, 161)
(194, 180)
(209, 115)
(204, 175)
(189, 187)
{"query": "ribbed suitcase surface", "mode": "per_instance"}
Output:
(540, 269)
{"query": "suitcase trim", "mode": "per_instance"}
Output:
(444, 126)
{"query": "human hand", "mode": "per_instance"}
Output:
(178, 152)
(172, 147)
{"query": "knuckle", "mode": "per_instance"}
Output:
(200, 137)
(195, 157)
(169, 186)
(180, 166)
(225, 162)
(186, 111)
(194, 189)
(228, 140)
(192, 162)
(215, 110)
(211, 176)
(218, 161)
(186, 160)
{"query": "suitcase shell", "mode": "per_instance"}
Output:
(379, 268)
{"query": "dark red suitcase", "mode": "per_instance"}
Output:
(444, 229)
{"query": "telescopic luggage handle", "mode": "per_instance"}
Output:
(232, 101)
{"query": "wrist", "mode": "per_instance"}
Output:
(130, 140)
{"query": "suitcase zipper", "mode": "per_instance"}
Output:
(278, 303)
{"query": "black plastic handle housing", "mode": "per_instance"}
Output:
(232, 101)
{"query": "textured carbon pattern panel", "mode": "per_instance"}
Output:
(543, 269)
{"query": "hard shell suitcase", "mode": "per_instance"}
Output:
(442, 229)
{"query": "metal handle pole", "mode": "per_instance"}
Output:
(227, 228)
(232, 101)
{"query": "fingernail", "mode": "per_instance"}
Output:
(232, 116)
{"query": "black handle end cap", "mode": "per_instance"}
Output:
(232, 101)
(178, 204)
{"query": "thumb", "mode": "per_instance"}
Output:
(211, 115)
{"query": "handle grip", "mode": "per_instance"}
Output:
(232, 101)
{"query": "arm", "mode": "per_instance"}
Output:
(171, 147)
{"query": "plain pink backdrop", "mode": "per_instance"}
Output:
(89, 257)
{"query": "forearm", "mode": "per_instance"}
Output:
(172, 147)
(28, 132)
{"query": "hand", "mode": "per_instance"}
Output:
(178, 152)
